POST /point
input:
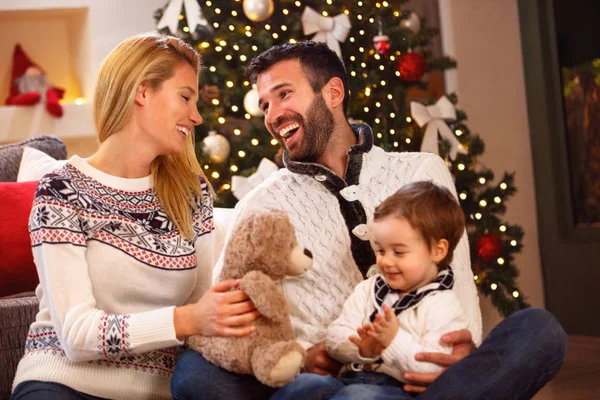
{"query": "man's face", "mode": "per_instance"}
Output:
(294, 115)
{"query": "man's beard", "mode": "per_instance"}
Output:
(318, 127)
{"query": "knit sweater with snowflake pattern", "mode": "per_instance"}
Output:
(331, 216)
(112, 268)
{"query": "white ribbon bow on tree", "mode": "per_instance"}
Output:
(241, 186)
(434, 116)
(193, 15)
(329, 30)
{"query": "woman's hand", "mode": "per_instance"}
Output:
(219, 312)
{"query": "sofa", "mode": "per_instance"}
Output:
(16, 314)
(18, 311)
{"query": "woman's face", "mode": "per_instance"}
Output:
(170, 113)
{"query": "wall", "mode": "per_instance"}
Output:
(484, 37)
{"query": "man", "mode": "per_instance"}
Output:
(334, 179)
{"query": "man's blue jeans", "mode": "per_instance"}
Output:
(514, 362)
(353, 386)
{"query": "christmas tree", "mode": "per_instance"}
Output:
(387, 52)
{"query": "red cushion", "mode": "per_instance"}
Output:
(17, 270)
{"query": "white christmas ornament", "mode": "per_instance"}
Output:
(434, 116)
(193, 15)
(413, 22)
(251, 103)
(332, 31)
(217, 147)
(241, 186)
(258, 10)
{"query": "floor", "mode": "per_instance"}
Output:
(579, 377)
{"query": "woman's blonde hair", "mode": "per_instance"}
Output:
(151, 59)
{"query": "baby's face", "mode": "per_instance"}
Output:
(403, 257)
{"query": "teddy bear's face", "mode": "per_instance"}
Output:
(265, 241)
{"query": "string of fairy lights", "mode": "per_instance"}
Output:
(373, 96)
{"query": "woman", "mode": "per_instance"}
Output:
(124, 241)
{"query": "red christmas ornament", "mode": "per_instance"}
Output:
(411, 67)
(488, 246)
(382, 44)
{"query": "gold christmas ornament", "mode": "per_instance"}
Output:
(217, 147)
(258, 10)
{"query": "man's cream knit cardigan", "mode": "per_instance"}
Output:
(316, 298)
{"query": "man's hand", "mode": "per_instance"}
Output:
(462, 346)
(385, 326)
(368, 346)
(317, 361)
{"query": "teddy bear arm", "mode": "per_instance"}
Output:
(264, 294)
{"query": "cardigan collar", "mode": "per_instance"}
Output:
(443, 281)
(328, 177)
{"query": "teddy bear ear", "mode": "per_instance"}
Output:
(244, 230)
(282, 225)
(265, 224)
(246, 222)
(279, 215)
(263, 227)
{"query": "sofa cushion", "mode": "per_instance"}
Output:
(16, 261)
(35, 164)
(11, 154)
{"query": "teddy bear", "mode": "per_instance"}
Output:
(262, 251)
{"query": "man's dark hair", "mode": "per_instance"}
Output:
(318, 62)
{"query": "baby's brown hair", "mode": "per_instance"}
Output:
(431, 210)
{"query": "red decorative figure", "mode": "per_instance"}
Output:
(30, 85)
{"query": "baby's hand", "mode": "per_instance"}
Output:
(385, 327)
(368, 346)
